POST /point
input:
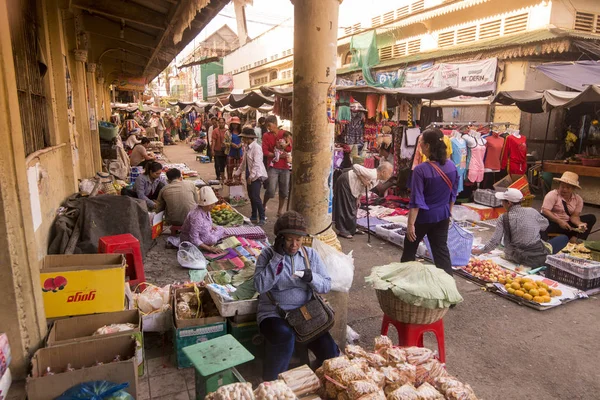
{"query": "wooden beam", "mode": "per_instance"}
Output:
(124, 58)
(122, 10)
(107, 28)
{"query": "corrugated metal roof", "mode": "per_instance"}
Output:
(542, 35)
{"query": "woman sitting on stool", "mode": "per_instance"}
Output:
(275, 275)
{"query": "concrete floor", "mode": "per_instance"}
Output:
(505, 351)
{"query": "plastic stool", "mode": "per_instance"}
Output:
(412, 334)
(215, 361)
(175, 229)
(128, 245)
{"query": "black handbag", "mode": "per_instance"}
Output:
(312, 319)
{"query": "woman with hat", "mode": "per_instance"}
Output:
(519, 229)
(252, 164)
(286, 274)
(233, 142)
(563, 208)
(198, 228)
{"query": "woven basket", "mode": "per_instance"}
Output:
(407, 313)
(329, 237)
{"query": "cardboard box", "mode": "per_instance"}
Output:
(187, 332)
(82, 355)
(157, 224)
(247, 334)
(484, 212)
(5, 356)
(5, 382)
(80, 329)
(82, 284)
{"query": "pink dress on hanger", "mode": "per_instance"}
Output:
(476, 167)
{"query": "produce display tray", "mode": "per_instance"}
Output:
(231, 308)
(585, 269)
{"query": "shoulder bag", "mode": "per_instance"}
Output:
(533, 255)
(312, 319)
(442, 174)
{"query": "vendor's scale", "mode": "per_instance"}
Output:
(215, 361)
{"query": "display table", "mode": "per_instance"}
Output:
(588, 179)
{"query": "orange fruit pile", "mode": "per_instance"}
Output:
(531, 290)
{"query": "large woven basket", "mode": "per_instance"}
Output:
(395, 308)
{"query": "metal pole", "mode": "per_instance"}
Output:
(368, 217)
(546, 138)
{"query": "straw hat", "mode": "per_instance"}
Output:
(207, 196)
(570, 178)
(235, 120)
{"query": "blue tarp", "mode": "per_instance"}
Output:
(576, 75)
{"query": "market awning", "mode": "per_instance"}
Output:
(421, 93)
(576, 75)
(252, 99)
(538, 102)
(183, 104)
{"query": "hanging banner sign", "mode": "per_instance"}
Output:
(225, 82)
(459, 75)
(211, 85)
(387, 79)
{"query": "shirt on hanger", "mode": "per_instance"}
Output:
(493, 155)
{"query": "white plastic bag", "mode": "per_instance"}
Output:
(340, 266)
(189, 256)
(153, 298)
(462, 213)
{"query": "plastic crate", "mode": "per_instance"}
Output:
(570, 279)
(585, 269)
(487, 197)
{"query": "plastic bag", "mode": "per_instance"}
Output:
(189, 256)
(97, 390)
(339, 266)
(153, 298)
(462, 213)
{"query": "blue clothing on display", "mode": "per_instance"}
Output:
(459, 158)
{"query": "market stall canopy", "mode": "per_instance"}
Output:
(277, 91)
(538, 102)
(252, 99)
(197, 108)
(183, 104)
(133, 107)
(576, 75)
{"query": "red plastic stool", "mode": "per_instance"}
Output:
(128, 245)
(175, 230)
(412, 334)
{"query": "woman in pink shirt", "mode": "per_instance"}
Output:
(563, 209)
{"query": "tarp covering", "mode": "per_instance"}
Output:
(277, 91)
(133, 107)
(252, 99)
(79, 228)
(575, 75)
(538, 102)
(183, 104)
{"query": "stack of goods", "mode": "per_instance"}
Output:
(389, 373)
(297, 383)
(5, 376)
(488, 271)
(186, 172)
(247, 232)
(276, 390)
(579, 250)
(414, 293)
(224, 215)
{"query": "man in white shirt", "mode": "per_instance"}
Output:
(252, 164)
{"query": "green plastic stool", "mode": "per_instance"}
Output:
(215, 361)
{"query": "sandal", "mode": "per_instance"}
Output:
(345, 236)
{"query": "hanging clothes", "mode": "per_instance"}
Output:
(343, 107)
(476, 167)
(372, 100)
(515, 155)
(493, 156)
(459, 158)
(404, 110)
(382, 106)
(355, 130)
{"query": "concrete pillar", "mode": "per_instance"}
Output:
(93, 115)
(315, 57)
(21, 305)
(83, 135)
